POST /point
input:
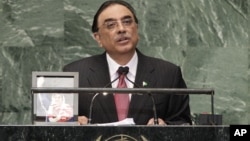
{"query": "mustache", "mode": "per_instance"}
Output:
(122, 37)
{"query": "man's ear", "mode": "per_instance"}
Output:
(97, 38)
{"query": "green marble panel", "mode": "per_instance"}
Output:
(209, 39)
(225, 70)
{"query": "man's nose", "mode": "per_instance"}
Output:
(120, 27)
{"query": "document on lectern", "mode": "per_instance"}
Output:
(127, 121)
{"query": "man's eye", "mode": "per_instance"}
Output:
(110, 25)
(127, 21)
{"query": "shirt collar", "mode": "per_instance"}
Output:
(113, 66)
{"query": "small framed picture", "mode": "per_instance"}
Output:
(55, 108)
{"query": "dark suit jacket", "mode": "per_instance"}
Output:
(94, 72)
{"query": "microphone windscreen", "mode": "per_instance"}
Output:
(123, 70)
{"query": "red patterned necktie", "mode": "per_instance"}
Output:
(122, 100)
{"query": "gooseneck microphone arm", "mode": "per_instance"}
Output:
(121, 70)
(156, 122)
(91, 108)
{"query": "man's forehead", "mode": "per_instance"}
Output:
(115, 11)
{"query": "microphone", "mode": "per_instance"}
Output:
(121, 70)
(156, 122)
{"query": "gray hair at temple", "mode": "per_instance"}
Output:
(107, 4)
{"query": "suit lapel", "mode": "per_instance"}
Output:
(100, 78)
(144, 79)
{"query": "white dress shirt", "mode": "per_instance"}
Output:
(113, 67)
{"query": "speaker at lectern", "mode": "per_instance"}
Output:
(55, 97)
(56, 107)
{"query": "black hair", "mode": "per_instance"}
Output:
(107, 4)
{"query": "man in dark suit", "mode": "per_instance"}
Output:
(115, 28)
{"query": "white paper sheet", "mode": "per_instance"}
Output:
(127, 121)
